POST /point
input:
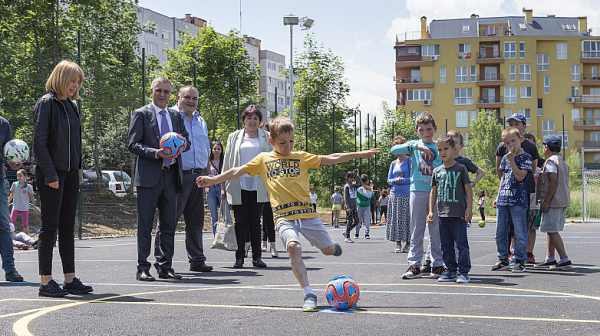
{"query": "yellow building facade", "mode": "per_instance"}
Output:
(542, 67)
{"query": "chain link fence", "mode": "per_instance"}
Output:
(591, 195)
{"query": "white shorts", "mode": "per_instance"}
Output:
(553, 221)
(311, 228)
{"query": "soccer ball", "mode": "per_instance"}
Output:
(342, 292)
(16, 151)
(172, 143)
(481, 223)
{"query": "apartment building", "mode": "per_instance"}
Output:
(272, 86)
(542, 67)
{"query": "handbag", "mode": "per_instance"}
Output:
(225, 238)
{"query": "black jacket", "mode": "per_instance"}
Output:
(51, 136)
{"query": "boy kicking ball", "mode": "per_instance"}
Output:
(285, 173)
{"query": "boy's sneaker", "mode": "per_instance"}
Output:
(530, 258)
(463, 278)
(310, 303)
(546, 264)
(501, 265)
(338, 250)
(448, 277)
(412, 272)
(519, 266)
(406, 248)
(398, 248)
(437, 272)
(367, 236)
(348, 240)
(356, 236)
(426, 268)
(52, 289)
(76, 287)
(562, 265)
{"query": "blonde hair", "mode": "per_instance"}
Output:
(60, 77)
(424, 119)
(280, 125)
(457, 135)
(510, 131)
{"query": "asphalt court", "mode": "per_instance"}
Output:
(250, 300)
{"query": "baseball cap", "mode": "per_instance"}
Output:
(552, 140)
(518, 117)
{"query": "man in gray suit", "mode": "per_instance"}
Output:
(158, 179)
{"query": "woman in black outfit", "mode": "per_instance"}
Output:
(57, 153)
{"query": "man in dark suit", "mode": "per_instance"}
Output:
(158, 179)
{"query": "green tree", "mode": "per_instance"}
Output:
(484, 138)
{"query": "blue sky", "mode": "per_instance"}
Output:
(361, 32)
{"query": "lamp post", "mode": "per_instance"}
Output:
(305, 23)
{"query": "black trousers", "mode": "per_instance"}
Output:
(482, 213)
(268, 225)
(58, 216)
(247, 220)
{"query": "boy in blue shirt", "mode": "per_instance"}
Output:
(511, 202)
(424, 159)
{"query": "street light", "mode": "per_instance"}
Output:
(305, 24)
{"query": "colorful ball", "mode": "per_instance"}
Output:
(481, 223)
(342, 292)
(16, 151)
(172, 143)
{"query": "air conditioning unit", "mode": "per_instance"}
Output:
(434, 58)
(571, 100)
(426, 102)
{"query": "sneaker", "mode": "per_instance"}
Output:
(356, 236)
(448, 277)
(546, 264)
(76, 287)
(412, 272)
(310, 303)
(52, 289)
(348, 240)
(337, 250)
(406, 248)
(398, 248)
(437, 272)
(501, 265)
(24, 247)
(519, 266)
(463, 278)
(426, 268)
(562, 265)
(530, 258)
(13, 276)
(367, 236)
(35, 245)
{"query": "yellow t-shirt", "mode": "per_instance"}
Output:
(286, 179)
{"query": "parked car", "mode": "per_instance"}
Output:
(118, 181)
(91, 182)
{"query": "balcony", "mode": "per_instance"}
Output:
(490, 80)
(590, 79)
(587, 144)
(400, 102)
(493, 30)
(490, 102)
(590, 57)
(412, 83)
(408, 36)
(588, 124)
(402, 64)
(587, 101)
(487, 58)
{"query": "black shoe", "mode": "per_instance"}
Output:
(76, 287)
(35, 245)
(562, 265)
(501, 265)
(169, 274)
(52, 289)
(367, 236)
(426, 268)
(13, 276)
(546, 264)
(201, 267)
(259, 264)
(356, 236)
(144, 276)
(238, 265)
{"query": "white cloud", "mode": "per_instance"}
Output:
(361, 43)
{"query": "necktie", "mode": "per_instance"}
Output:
(164, 128)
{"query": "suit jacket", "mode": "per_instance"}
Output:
(232, 160)
(144, 137)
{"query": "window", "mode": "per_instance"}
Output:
(540, 107)
(575, 91)
(595, 136)
(542, 62)
(473, 117)
(280, 85)
(525, 91)
(272, 66)
(462, 75)
(415, 75)
(462, 118)
(442, 74)
(561, 50)
(491, 30)
(510, 49)
(564, 136)
(271, 81)
(151, 49)
(507, 114)
(569, 27)
(464, 51)
(513, 72)
(416, 95)
(271, 97)
(466, 29)
(547, 128)
(590, 49)
(527, 114)
(473, 73)
(522, 26)
(546, 84)
(575, 73)
(179, 35)
(280, 101)
(510, 95)
(463, 96)
(431, 50)
(521, 49)
(524, 72)
(575, 115)
(166, 34)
